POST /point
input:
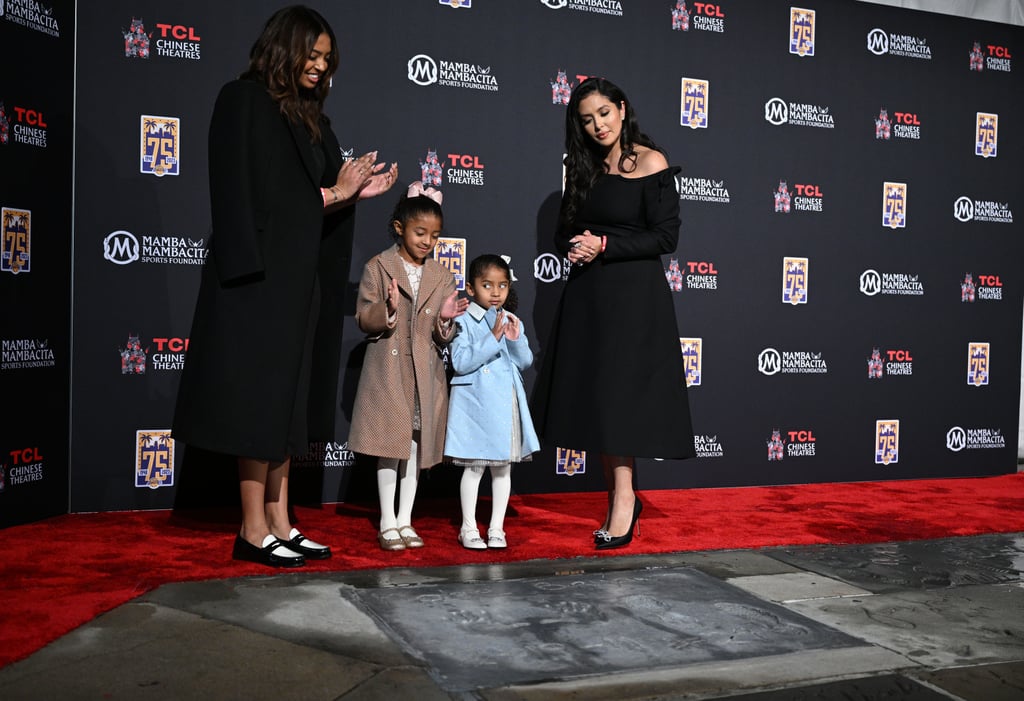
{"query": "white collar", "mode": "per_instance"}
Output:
(476, 311)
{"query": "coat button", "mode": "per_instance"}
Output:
(427, 310)
(394, 351)
(486, 370)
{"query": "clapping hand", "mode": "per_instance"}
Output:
(453, 307)
(498, 330)
(511, 326)
(505, 324)
(363, 177)
(379, 182)
(354, 175)
(392, 297)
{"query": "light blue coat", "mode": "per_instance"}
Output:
(487, 372)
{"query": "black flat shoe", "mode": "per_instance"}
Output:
(607, 541)
(306, 547)
(244, 550)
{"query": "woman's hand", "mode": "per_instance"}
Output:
(379, 182)
(359, 174)
(453, 306)
(353, 175)
(585, 248)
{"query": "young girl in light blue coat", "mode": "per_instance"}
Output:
(489, 424)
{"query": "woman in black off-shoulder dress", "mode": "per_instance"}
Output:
(612, 377)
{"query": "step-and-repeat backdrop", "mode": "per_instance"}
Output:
(848, 277)
(37, 47)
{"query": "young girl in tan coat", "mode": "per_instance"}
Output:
(406, 305)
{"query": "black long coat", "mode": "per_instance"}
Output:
(246, 379)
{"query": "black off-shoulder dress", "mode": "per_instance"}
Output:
(612, 377)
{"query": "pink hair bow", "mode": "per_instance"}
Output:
(416, 189)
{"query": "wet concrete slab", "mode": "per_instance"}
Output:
(717, 563)
(494, 634)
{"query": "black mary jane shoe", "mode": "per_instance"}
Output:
(244, 550)
(306, 547)
(607, 541)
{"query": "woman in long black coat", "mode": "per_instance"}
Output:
(277, 183)
(612, 377)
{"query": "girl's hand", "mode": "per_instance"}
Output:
(585, 248)
(453, 306)
(392, 298)
(498, 330)
(379, 182)
(512, 327)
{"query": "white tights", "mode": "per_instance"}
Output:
(388, 482)
(501, 490)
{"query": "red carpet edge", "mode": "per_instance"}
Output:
(61, 573)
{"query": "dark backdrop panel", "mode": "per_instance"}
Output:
(500, 149)
(36, 135)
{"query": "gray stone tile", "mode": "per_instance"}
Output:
(796, 586)
(397, 683)
(536, 629)
(994, 682)
(724, 564)
(950, 562)
(314, 612)
(148, 652)
(889, 686)
(933, 627)
(717, 679)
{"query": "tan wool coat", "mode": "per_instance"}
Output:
(402, 361)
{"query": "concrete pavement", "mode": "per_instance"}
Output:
(939, 619)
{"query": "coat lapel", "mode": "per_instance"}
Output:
(393, 266)
(433, 277)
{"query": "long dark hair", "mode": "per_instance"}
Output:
(278, 57)
(584, 160)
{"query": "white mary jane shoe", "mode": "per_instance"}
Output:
(496, 538)
(470, 539)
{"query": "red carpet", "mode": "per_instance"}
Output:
(60, 573)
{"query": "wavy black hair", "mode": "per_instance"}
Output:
(278, 57)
